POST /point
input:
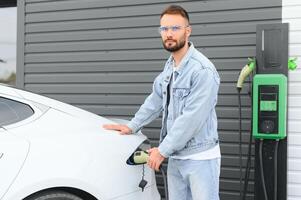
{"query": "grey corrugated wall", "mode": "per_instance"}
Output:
(102, 56)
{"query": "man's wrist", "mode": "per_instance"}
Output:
(162, 152)
(132, 127)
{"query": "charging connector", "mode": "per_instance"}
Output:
(140, 157)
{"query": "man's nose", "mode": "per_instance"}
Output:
(169, 37)
(169, 33)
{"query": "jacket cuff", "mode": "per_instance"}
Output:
(164, 150)
(133, 127)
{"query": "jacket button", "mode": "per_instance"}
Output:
(164, 92)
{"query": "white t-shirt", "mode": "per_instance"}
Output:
(204, 155)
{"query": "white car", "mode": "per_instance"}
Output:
(50, 150)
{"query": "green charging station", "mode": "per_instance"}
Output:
(269, 106)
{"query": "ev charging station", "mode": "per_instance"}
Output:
(269, 113)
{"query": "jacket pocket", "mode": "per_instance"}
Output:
(180, 95)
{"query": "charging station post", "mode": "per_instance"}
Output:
(269, 112)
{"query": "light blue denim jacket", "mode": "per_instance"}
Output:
(191, 124)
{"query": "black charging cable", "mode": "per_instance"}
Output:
(248, 165)
(240, 145)
(276, 169)
(262, 170)
(165, 183)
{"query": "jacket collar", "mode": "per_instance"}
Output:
(184, 60)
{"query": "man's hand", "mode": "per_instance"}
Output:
(123, 129)
(155, 158)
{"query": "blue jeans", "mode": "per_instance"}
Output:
(193, 179)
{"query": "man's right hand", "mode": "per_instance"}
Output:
(123, 129)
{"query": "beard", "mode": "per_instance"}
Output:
(173, 48)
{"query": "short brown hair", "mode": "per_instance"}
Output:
(175, 10)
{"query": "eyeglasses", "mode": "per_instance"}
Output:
(174, 29)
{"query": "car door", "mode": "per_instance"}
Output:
(13, 149)
(13, 152)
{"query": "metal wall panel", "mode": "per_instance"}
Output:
(103, 56)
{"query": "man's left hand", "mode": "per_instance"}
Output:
(155, 158)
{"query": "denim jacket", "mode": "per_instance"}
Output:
(191, 124)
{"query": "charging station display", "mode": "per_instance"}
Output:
(268, 112)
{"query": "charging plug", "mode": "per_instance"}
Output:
(140, 157)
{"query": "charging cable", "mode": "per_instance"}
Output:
(246, 71)
(165, 182)
(141, 157)
(262, 170)
(276, 169)
(248, 165)
(240, 145)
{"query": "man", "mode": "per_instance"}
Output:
(186, 92)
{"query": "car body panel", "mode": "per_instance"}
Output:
(7, 90)
(69, 148)
(13, 152)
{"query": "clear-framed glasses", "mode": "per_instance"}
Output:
(174, 29)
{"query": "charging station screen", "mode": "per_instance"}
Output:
(268, 102)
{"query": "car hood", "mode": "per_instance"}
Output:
(61, 120)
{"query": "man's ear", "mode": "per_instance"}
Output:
(188, 31)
